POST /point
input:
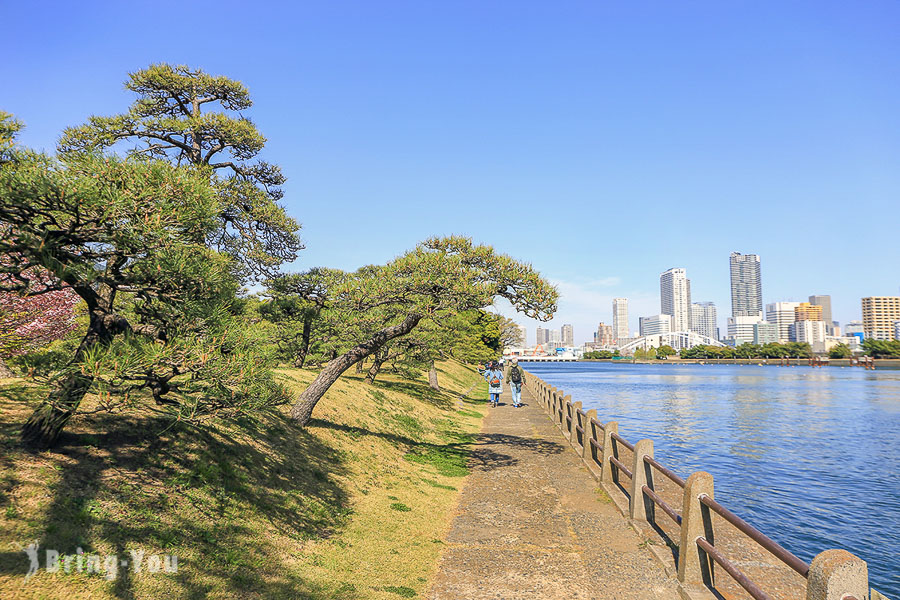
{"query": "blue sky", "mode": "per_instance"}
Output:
(602, 142)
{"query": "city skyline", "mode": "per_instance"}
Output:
(756, 117)
(654, 305)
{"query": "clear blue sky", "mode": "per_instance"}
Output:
(602, 142)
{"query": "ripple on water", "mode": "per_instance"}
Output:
(808, 456)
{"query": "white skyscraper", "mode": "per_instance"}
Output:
(567, 336)
(782, 315)
(740, 329)
(524, 333)
(746, 286)
(656, 325)
(704, 319)
(620, 319)
(675, 298)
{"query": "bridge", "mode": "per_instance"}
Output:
(680, 340)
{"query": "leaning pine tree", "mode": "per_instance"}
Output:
(129, 237)
(440, 278)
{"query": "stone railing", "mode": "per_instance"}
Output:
(832, 575)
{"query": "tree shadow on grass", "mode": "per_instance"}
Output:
(232, 501)
(441, 399)
(476, 451)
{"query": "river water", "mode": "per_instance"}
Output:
(809, 456)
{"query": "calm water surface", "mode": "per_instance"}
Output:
(806, 455)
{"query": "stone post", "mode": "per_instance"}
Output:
(694, 566)
(587, 452)
(573, 434)
(606, 469)
(641, 507)
(567, 399)
(836, 574)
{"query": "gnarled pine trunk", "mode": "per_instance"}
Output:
(433, 378)
(302, 409)
(43, 427)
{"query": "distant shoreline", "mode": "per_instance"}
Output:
(880, 363)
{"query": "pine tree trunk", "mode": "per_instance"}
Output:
(433, 378)
(304, 347)
(302, 409)
(359, 366)
(43, 427)
(373, 371)
(5, 373)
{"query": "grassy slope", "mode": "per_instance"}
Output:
(354, 506)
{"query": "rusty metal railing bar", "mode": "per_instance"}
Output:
(759, 537)
(621, 466)
(579, 428)
(598, 424)
(745, 583)
(662, 504)
(671, 475)
(596, 444)
(623, 441)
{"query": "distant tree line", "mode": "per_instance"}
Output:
(770, 350)
(882, 348)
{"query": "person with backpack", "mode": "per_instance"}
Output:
(516, 377)
(494, 377)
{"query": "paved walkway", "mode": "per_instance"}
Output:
(532, 525)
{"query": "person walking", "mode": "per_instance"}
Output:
(516, 377)
(494, 377)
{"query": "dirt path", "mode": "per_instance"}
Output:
(532, 525)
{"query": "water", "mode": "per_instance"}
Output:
(806, 455)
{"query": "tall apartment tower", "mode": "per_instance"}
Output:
(746, 286)
(808, 312)
(825, 302)
(568, 335)
(704, 319)
(879, 314)
(524, 335)
(783, 315)
(620, 319)
(542, 336)
(675, 298)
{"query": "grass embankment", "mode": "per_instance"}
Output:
(353, 506)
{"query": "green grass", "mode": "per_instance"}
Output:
(450, 461)
(255, 508)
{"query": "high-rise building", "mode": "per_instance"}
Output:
(825, 302)
(704, 319)
(605, 335)
(554, 339)
(656, 325)
(524, 334)
(811, 332)
(675, 298)
(782, 315)
(620, 319)
(808, 312)
(740, 329)
(746, 285)
(567, 336)
(765, 333)
(542, 337)
(879, 314)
